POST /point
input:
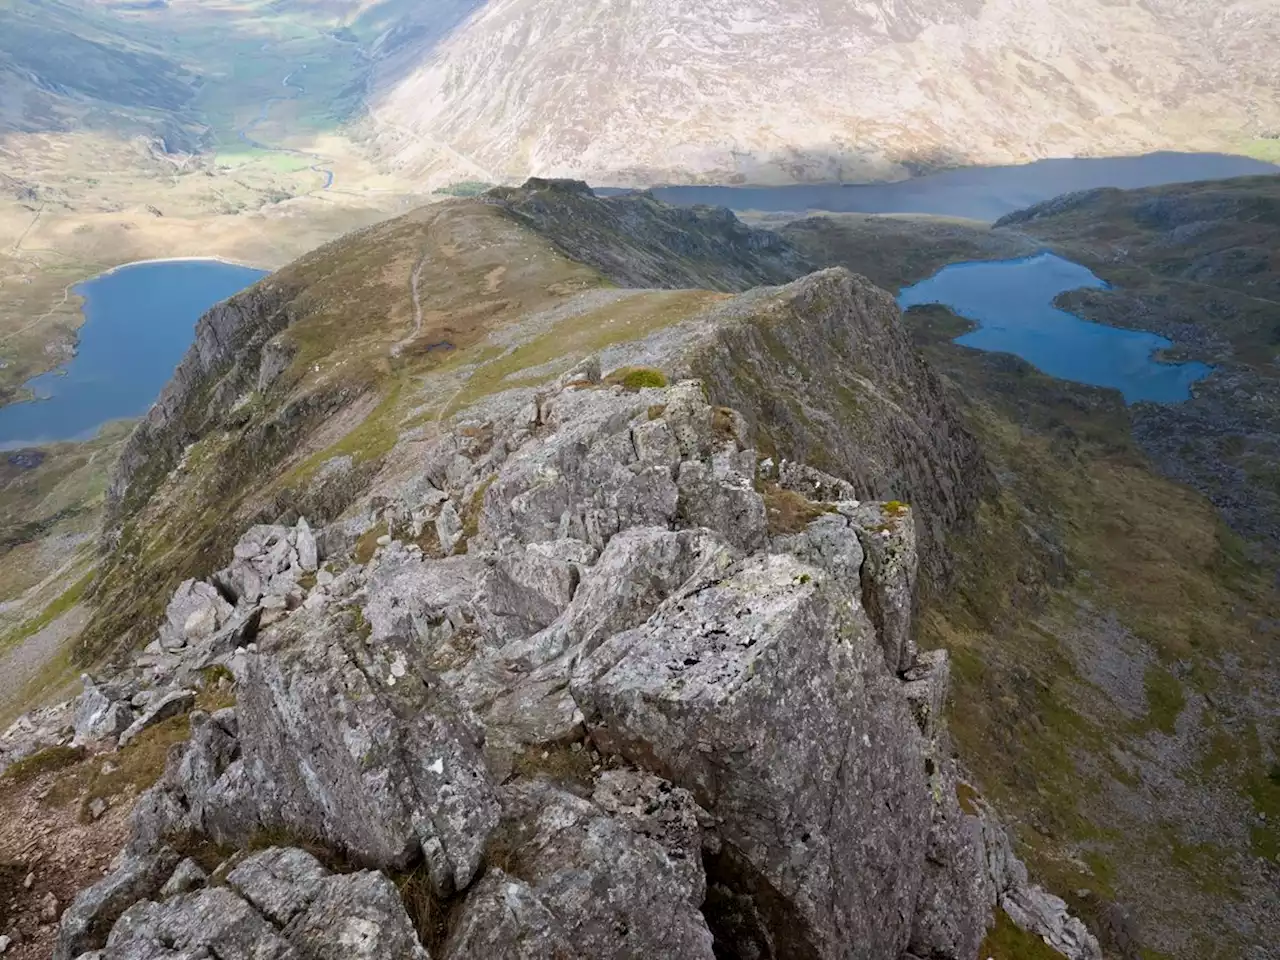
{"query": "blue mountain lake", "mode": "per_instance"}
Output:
(1012, 300)
(139, 321)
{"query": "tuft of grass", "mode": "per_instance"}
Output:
(138, 766)
(967, 797)
(471, 513)
(788, 511)
(558, 763)
(722, 424)
(636, 378)
(428, 913)
(1165, 699)
(1005, 941)
(368, 543)
(216, 674)
(44, 761)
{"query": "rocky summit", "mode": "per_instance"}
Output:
(612, 684)
(589, 634)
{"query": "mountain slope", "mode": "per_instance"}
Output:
(780, 90)
(304, 391)
(1116, 673)
(65, 66)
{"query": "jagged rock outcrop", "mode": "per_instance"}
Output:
(638, 241)
(661, 699)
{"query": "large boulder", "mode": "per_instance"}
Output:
(209, 923)
(195, 612)
(568, 874)
(361, 747)
(97, 717)
(766, 695)
(86, 924)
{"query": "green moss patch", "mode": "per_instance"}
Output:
(637, 378)
(44, 761)
(1006, 941)
(1165, 699)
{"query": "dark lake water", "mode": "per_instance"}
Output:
(1013, 302)
(139, 321)
(980, 193)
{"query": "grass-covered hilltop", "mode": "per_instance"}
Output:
(536, 575)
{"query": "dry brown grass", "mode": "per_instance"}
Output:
(788, 511)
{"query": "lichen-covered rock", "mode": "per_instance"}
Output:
(664, 813)
(96, 717)
(1040, 912)
(503, 918)
(586, 879)
(170, 705)
(956, 894)
(356, 916)
(888, 534)
(363, 748)
(637, 571)
(209, 923)
(280, 882)
(708, 691)
(86, 923)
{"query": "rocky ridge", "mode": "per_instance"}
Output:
(561, 659)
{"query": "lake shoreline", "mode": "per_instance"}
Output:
(139, 321)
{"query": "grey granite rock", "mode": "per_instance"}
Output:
(280, 882)
(170, 705)
(209, 923)
(356, 916)
(97, 717)
(766, 696)
(187, 876)
(195, 612)
(86, 923)
(362, 747)
(585, 879)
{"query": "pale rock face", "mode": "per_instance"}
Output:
(196, 611)
(777, 654)
(308, 556)
(96, 717)
(669, 91)
(364, 749)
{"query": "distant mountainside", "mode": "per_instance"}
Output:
(773, 91)
(65, 66)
